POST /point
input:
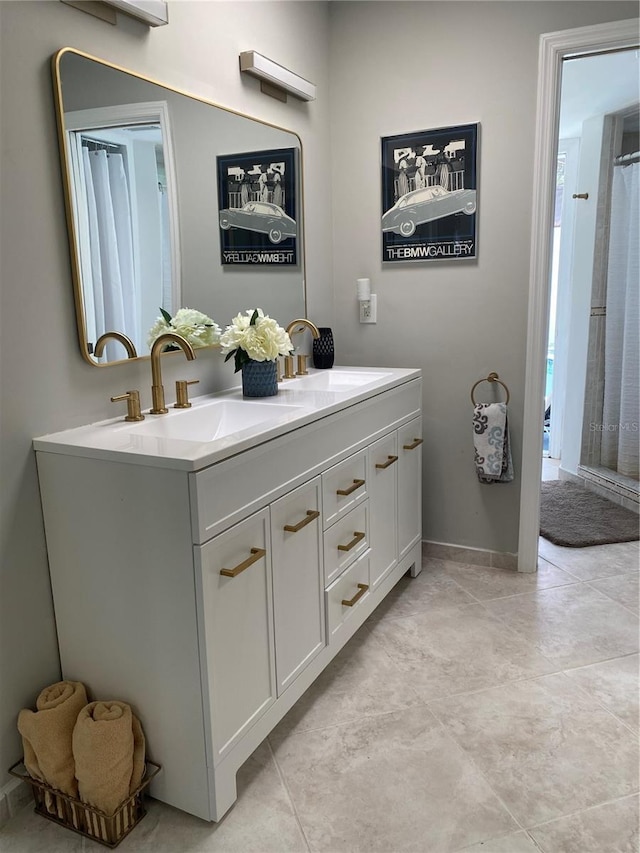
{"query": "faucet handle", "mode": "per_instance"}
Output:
(288, 367)
(302, 365)
(133, 405)
(182, 393)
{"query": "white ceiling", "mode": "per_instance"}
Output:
(598, 84)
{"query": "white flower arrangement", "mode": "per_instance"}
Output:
(254, 336)
(194, 326)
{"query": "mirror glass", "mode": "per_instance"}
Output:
(172, 202)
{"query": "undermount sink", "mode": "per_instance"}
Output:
(211, 421)
(340, 380)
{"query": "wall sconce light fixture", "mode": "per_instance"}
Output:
(153, 13)
(275, 80)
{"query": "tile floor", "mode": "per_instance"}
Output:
(477, 710)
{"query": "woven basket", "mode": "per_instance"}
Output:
(83, 818)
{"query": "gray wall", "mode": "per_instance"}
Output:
(404, 66)
(45, 384)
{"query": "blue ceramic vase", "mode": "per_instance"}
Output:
(259, 379)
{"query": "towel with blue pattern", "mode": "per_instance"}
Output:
(491, 443)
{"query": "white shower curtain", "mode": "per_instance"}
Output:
(621, 413)
(111, 242)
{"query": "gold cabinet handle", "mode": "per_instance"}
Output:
(256, 554)
(413, 445)
(390, 461)
(350, 489)
(358, 536)
(309, 517)
(362, 588)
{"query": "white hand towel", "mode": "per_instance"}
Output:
(491, 443)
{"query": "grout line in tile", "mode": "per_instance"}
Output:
(606, 594)
(560, 568)
(492, 839)
(536, 843)
(472, 761)
(587, 580)
(371, 715)
(595, 662)
(284, 784)
(528, 592)
(523, 826)
(582, 811)
(493, 687)
(593, 698)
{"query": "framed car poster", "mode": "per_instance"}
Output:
(429, 194)
(257, 207)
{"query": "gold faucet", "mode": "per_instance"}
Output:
(294, 327)
(117, 336)
(157, 391)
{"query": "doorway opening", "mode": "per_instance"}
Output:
(588, 350)
(554, 49)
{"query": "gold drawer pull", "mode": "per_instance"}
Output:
(256, 554)
(362, 588)
(309, 517)
(352, 488)
(390, 461)
(413, 445)
(358, 536)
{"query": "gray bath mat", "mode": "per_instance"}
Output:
(576, 517)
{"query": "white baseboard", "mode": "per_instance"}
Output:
(14, 796)
(474, 556)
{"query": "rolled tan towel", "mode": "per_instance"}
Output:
(47, 735)
(108, 749)
(139, 746)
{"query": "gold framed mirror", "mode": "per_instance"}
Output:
(130, 143)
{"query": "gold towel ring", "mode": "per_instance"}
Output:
(492, 377)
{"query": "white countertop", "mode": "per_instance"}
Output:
(153, 441)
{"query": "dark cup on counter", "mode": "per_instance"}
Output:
(323, 353)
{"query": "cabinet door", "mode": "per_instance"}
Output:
(383, 507)
(298, 589)
(409, 485)
(233, 578)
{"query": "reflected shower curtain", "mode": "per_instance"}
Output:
(165, 248)
(111, 241)
(621, 414)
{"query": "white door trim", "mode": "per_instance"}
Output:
(554, 47)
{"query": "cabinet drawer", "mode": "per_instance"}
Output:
(236, 629)
(343, 487)
(345, 541)
(351, 587)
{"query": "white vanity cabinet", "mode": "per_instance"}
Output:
(209, 591)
